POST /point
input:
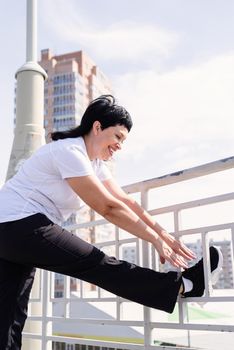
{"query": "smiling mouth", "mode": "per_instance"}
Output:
(111, 151)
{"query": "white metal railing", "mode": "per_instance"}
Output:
(145, 256)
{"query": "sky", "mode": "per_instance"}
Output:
(170, 62)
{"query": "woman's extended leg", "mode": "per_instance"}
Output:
(15, 285)
(21, 309)
(39, 242)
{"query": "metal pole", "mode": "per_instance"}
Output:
(29, 130)
(30, 135)
(31, 47)
(145, 263)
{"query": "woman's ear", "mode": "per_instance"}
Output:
(96, 127)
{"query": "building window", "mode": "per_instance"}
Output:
(58, 294)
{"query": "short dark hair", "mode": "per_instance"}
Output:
(103, 109)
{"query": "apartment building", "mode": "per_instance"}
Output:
(73, 81)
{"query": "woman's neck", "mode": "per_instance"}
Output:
(90, 148)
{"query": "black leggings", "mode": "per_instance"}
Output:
(36, 241)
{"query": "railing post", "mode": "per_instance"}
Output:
(206, 262)
(46, 311)
(145, 263)
(232, 254)
(35, 309)
(119, 304)
(183, 307)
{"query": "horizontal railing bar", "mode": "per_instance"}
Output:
(226, 298)
(162, 210)
(193, 326)
(101, 322)
(176, 347)
(192, 231)
(203, 229)
(86, 224)
(193, 204)
(31, 335)
(132, 322)
(113, 242)
(217, 227)
(89, 300)
(211, 299)
(182, 175)
(122, 300)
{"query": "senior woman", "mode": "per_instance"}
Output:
(47, 189)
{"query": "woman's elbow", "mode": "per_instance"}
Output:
(105, 209)
(110, 210)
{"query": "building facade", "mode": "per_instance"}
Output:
(73, 81)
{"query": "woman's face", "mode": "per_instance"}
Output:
(110, 140)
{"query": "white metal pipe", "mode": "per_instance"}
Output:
(31, 36)
(182, 175)
(46, 344)
(145, 263)
(193, 204)
(29, 130)
(232, 253)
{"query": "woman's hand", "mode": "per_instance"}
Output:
(168, 254)
(177, 247)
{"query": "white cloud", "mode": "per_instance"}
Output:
(187, 105)
(121, 41)
(127, 41)
(182, 118)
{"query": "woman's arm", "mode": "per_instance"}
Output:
(95, 195)
(176, 245)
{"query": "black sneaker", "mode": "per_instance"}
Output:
(196, 273)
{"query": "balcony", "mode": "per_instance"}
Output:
(94, 319)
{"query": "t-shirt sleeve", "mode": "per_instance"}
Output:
(103, 172)
(71, 162)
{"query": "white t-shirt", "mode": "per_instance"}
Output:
(40, 186)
